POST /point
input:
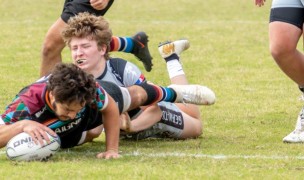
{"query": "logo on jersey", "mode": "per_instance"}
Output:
(68, 126)
(141, 79)
(39, 113)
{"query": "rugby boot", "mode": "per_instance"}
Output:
(168, 48)
(297, 135)
(141, 50)
(193, 94)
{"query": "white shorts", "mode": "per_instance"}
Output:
(287, 3)
(171, 124)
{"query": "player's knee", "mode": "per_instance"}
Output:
(198, 130)
(50, 47)
(46, 50)
(279, 52)
(137, 99)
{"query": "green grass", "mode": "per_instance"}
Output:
(256, 106)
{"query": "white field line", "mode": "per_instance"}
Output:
(199, 155)
(213, 156)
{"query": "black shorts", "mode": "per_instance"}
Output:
(291, 15)
(92, 118)
(73, 7)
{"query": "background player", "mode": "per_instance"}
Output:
(285, 30)
(54, 44)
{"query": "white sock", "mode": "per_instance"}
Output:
(174, 68)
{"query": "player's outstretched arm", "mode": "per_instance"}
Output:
(111, 124)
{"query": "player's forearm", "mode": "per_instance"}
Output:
(112, 130)
(9, 131)
(111, 124)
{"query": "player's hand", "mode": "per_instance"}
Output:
(259, 2)
(110, 154)
(37, 131)
(99, 4)
(125, 122)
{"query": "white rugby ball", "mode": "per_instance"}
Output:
(22, 148)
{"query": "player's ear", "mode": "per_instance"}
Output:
(51, 96)
(103, 48)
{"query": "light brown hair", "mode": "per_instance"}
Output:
(86, 25)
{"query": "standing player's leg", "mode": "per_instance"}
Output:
(285, 30)
(53, 43)
(52, 46)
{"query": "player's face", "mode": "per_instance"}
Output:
(86, 54)
(66, 111)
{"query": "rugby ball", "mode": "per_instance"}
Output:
(23, 148)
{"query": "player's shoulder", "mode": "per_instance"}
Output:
(116, 65)
(122, 66)
(119, 63)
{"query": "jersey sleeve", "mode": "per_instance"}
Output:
(16, 111)
(102, 97)
(133, 75)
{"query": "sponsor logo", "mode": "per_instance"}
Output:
(39, 113)
(68, 126)
(172, 118)
(28, 140)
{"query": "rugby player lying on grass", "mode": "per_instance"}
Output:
(88, 38)
(72, 104)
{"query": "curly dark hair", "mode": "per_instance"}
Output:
(69, 83)
(88, 26)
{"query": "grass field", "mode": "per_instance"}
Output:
(256, 106)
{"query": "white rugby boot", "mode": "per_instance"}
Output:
(193, 94)
(297, 136)
(168, 48)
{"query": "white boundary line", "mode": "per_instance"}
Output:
(199, 155)
(215, 156)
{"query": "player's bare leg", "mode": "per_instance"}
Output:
(171, 52)
(52, 47)
(284, 38)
